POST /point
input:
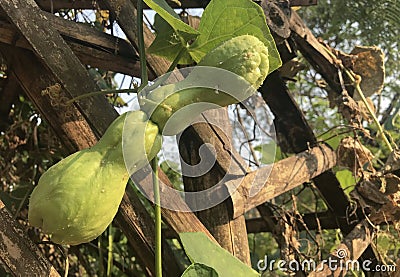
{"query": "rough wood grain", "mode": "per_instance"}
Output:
(268, 182)
(55, 53)
(95, 48)
(18, 252)
(126, 14)
(317, 56)
(56, 5)
(230, 233)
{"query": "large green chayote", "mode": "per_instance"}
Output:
(228, 74)
(77, 198)
(246, 56)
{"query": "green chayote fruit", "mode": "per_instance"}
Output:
(228, 74)
(246, 56)
(77, 198)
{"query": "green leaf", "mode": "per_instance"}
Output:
(199, 270)
(167, 42)
(346, 179)
(223, 20)
(173, 35)
(332, 138)
(200, 249)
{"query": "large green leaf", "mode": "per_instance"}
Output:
(223, 20)
(199, 270)
(173, 35)
(200, 249)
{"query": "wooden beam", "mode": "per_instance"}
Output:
(21, 256)
(229, 232)
(57, 5)
(54, 52)
(317, 56)
(310, 221)
(92, 47)
(270, 181)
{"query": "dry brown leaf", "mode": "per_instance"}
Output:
(352, 154)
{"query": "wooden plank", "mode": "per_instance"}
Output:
(56, 5)
(270, 181)
(92, 47)
(59, 58)
(316, 55)
(21, 256)
(230, 232)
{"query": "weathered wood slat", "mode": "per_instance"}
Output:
(316, 55)
(268, 182)
(126, 14)
(18, 252)
(54, 52)
(92, 47)
(99, 4)
(216, 130)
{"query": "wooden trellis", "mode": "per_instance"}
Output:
(46, 57)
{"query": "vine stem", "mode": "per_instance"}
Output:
(110, 251)
(157, 212)
(154, 164)
(356, 79)
(90, 94)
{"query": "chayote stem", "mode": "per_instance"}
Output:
(157, 212)
(356, 79)
(94, 93)
(110, 251)
(154, 164)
